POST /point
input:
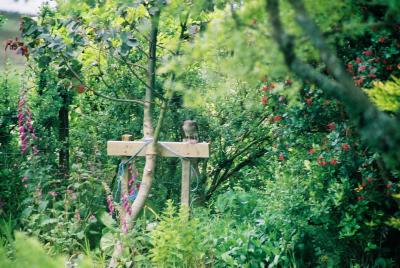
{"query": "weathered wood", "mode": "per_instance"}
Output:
(175, 149)
(185, 186)
(124, 182)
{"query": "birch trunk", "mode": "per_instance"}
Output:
(148, 134)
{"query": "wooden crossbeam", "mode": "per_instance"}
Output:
(126, 148)
(164, 148)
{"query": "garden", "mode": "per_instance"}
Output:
(201, 133)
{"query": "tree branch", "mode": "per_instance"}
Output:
(115, 99)
(227, 174)
(378, 129)
(95, 92)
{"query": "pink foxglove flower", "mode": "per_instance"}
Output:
(25, 127)
(126, 205)
(110, 205)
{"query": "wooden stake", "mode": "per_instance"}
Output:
(185, 187)
(125, 179)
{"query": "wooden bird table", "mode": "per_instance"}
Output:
(187, 151)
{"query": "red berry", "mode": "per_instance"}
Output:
(382, 39)
(350, 67)
(333, 162)
(281, 157)
(389, 185)
(367, 53)
(360, 197)
(265, 88)
(321, 161)
(288, 82)
(370, 180)
(345, 147)
(272, 86)
(277, 118)
(359, 82)
(331, 126)
(389, 67)
(264, 100)
(363, 184)
(311, 151)
(308, 101)
(80, 88)
(362, 68)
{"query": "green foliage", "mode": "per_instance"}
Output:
(386, 95)
(2, 19)
(30, 253)
(177, 239)
(9, 153)
(288, 183)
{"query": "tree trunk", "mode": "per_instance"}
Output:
(148, 130)
(148, 135)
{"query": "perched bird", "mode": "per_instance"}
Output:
(190, 129)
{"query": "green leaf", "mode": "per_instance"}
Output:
(26, 212)
(107, 220)
(48, 221)
(132, 42)
(107, 243)
(43, 205)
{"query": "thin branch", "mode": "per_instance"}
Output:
(142, 34)
(250, 159)
(133, 71)
(115, 99)
(167, 49)
(95, 92)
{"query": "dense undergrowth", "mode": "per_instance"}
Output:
(292, 181)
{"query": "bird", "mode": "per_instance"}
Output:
(190, 129)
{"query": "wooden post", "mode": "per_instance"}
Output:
(185, 187)
(125, 179)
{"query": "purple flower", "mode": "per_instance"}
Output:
(126, 204)
(110, 205)
(25, 128)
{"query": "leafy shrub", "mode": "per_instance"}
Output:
(386, 95)
(30, 253)
(177, 240)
